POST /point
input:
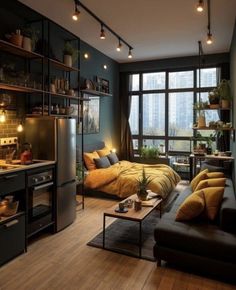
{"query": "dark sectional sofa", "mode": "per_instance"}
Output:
(201, 245)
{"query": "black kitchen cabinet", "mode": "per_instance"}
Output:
(12, 237)
(12, 182)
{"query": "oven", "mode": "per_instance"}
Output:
(40, 201)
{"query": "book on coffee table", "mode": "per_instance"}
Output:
(150, 202)
(152, 195)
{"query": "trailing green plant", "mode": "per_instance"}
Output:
(224, 90)
(200, 107)
(70, 50)
(149, 152)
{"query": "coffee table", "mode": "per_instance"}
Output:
(131, 215)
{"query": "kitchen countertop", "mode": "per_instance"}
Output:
(16, 166)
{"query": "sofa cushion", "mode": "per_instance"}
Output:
(213, 198)
(215, 175)
(192, 207)
(201, 175)
(211, 182)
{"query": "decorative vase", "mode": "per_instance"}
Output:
(16, 39)
(67, 59)
(27, 43)
(225, 104)
(201, 121)
(142, 194)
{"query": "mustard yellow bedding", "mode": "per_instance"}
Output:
(121, 178)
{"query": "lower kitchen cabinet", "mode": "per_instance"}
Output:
(12, 237)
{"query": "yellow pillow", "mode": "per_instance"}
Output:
(215, 175)
(201, 175)
(212, 182)
(104, 152)
(89, 160)
(213, 198)
(192, 207)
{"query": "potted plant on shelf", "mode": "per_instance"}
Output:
(30, 37)
(70, 54)
(225, 93)
(143, 182)
(214, 99)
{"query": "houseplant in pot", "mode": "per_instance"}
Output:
(70, 54)
(30, 37)
(143, 182)
(214, 99)
(225, 94)
(200, 107)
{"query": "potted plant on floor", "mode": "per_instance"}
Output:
(143, 182)
(70, 54)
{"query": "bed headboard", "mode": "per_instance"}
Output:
(94, 146)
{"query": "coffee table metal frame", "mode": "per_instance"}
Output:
(131, 215)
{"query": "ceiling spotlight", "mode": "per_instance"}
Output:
(76, 14)
(119, 46)
(209, 38)
(200, 6)
(86, 56)
(102, 34)
(105, 66)
(130, 53)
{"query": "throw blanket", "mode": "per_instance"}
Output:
(121, 178)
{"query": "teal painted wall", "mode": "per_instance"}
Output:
(233, 86)
(109, 106)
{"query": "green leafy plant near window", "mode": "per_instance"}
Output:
(224, 90)
(149, 152)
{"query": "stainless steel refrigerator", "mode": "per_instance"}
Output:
(55, 139)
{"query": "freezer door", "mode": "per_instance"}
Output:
(66, 205)
(66, 150)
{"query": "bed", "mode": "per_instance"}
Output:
(120, 179)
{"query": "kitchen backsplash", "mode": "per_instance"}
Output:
(8, 129)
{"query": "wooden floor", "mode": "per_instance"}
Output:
(63, 261)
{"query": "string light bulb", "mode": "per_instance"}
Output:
(119, 46)
(200, 6)
(209, 38)
(102, 34)
(20, 128)
(130, 53)
(3, 117)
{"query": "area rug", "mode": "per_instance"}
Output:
(122, 236)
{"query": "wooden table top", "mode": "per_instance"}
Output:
(132, 214)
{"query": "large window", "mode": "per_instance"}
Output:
(162, 112)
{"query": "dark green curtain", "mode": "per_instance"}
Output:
(125, 101)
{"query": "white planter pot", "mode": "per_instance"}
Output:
(27, 43)
(67, 60)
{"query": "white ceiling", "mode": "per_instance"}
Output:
(155, 28)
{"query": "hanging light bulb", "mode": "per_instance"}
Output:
(130, 53)
(200, 6)
(209, 38)
(102, 34)
(119, 46)
(20, 128)
(3, 117)
(76, 14)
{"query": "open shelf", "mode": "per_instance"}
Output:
(95, 93)
(214, 129)
(60, 65)
(17, 50)
(17, 88)
(63, 96)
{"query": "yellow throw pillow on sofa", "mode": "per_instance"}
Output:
(215, 175)
(89, 160)
(192, 207)
(212, 182)
(213, 198)
(201, 175)
(104, 152)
